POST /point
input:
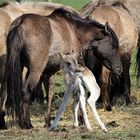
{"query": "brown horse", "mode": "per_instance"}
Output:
(34, 42)
(125, 28)
(8, 12)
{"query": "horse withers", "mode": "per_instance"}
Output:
(35, 42)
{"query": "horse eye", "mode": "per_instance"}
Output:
(68, 63)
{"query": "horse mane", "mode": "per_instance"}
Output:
(74, 17)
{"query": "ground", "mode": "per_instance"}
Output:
(123, 123)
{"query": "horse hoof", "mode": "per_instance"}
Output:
(2, 127)
(2, 121)
(26, 126)
(108, 108)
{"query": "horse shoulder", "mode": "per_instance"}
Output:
(64, 38)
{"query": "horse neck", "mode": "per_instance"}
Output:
(86, 33)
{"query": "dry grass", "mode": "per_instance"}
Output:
(123, 123)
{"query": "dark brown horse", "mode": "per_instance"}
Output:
(35, 42)
(120, 20)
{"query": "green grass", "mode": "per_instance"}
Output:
(77, 4)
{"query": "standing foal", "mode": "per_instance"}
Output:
(76, 78)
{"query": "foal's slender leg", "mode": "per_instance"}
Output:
(75, 111)
(62, 108)
(83, 106)
(94, 95)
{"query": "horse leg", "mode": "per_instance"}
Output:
(127, 83)
(75, 111)
(28, 86)
(82, 101)
(62, 108)
(37, 93)
(104, 88)
(3, 99)
(49, 86)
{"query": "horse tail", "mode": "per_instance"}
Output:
(14, 70)
(138, 62)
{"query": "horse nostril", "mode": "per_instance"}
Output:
(119, 69)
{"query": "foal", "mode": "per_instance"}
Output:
(76, 78)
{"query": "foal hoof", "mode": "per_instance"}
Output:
(52, 128)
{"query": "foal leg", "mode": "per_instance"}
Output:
(91, 101)
(75, 111)
(83, 106)
(94, 90)
(62, 108)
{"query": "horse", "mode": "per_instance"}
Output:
(14, 10)
(34, 41)
(76, 78)
(10, 11)
(120, 21)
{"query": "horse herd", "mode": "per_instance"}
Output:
(102, 35)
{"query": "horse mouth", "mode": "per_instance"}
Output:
(116, 69)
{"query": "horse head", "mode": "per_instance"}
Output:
(105, 48)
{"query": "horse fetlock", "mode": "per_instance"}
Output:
(107, 106)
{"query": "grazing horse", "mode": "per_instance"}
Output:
(35, 42)
(125, 28)
(77, 77)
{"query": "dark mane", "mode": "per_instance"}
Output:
(74, 17)
(120, 4)
(4, 4)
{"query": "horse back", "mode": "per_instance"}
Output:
(35, 32)
(64, 37)
(120, 21)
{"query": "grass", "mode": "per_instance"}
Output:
(122, 122)
(77, 4)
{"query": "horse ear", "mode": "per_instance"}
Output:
(107, 27)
